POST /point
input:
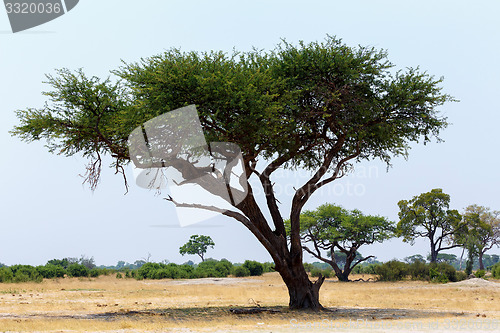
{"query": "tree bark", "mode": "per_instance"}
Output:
(433, 252)
(481, 265)
(304, 294)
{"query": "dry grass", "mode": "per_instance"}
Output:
(107, 303)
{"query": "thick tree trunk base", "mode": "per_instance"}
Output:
(304, 294)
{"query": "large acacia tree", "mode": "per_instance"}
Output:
(318, 106)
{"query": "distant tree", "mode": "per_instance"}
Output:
(414, 258)
(482, 230)
(445, 257)
(197, 245)
(189, 262)
(64, 263)
(87, 262)
(120, 264)
(330, 228)
(139, 263)
(495, 258)
(428, 216)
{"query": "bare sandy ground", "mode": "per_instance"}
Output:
(115, 305)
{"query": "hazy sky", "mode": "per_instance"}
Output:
(47, 213)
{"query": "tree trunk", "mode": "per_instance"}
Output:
(341, 275)
(433, 252)
(304, 294)
(481, 265)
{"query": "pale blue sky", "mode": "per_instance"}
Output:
(46, 213)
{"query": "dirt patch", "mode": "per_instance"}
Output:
(475, 282)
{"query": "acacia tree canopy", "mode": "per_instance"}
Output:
(428, 215)
(330, 228)
(320, 106)
(481, 230)
(197, 245)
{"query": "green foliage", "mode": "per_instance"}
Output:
(418, 270)
(427, 215)
(207, 268)
(480, 231)
(240, 271)
(6, 274)
(77, 270)
(442, 272)
(468, 267)
(255, 267)
(480, 273)
(328, 273)
(25, 273)
(197, 245)
(331, 227)
(495, 271)
(94, 272)
(119, 275)
(461, 276)
(413, 258)
(366, 268)
(268, 267)
(64, 263)
(392, 271)
(50, 271)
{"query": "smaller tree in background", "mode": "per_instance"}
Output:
(481, 230)
(330, 228)
(427, 215)
(414, 258)
(197, 245)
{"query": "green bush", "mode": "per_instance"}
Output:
(443, 272)
(25, 273)
(241, 271)
(95, 272)
(480, 273)
(6, 274)
(146, 270)
(119, 275)
(418, 270)
(365, 269)
(437, 276)
(392, 271)
(210, 268)
(308, 266)
(495, 270)
(328, 273)
(224, 267)
(51, 271)
(77, 270)
(255, 267)
(461, 276)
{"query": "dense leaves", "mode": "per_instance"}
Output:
(197, 245)
(342, 232)
(428, 215)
